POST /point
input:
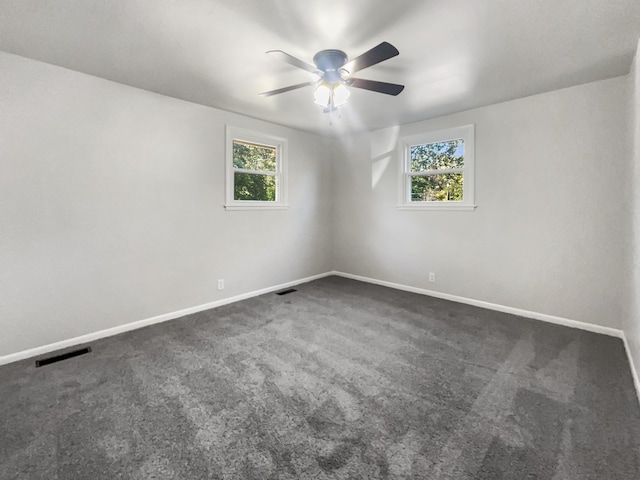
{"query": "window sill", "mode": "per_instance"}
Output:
(257, 207)
(440, 207)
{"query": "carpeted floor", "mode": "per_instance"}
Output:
(339, 380)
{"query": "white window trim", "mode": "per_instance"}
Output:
(250, 136)
(467, 134)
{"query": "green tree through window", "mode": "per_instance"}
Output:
(436, 171)
(254, 172)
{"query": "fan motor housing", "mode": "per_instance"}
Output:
(329, 62)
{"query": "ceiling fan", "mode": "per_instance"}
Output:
(334, 72)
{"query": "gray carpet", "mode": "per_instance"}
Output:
(339, 380)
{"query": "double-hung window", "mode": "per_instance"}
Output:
(437, 170)
(256, 170)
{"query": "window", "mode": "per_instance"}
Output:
(437, 170)
(256, 174)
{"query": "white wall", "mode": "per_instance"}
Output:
(548, 233)
(111, 207)
(632, 320)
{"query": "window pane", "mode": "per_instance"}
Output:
(437, 156)
(437, 188)
(254, 157)
(256, 187)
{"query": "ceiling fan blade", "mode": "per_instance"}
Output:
(286, 89)
(377, 54)
(291, 60)
(380, 87)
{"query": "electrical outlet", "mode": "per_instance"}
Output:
(221, 284)
(432, 277)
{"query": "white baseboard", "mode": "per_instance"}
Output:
(90, 337)
(613, 332)
(634, 372)
(14, 357)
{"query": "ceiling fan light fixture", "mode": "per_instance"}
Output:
(331, 95)
(340, 94)
(322, 95)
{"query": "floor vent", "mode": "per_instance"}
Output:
(64, 356)
(284, 292)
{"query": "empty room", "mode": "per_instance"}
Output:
(247, 239)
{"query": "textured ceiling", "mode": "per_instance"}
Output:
(454, 54)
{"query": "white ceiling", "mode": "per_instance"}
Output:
(454, 54)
